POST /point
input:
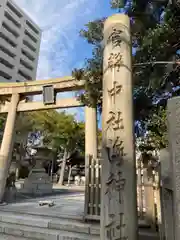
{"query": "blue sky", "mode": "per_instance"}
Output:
(61, 20)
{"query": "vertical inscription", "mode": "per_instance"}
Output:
(118, 184)
(115, 183)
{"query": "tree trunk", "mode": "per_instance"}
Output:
(69, 176)
(61, 178)
(17, 173)
(52, 164)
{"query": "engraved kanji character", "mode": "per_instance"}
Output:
(122, 232)
(115, 150)
(116, 229)
(120, 184)
(112, 230)
(115, 60)
(115, 90)
(115, 187)
(115, 37)
(115, 120)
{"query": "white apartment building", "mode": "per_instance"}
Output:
(19, 44)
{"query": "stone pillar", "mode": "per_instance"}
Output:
(139, 188)
(91, 131)
(149, 199)
(91, 149)
(7, 143)
(119, 197)
(174, 144)
(167, 194)
(158, 203)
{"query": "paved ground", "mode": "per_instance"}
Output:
(67, 203)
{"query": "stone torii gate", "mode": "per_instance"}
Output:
(17, 92)
(118, 182)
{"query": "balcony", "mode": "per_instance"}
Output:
(13, 15)
(31, 35)
(26, 65)
(9, 35)
(11, 50)
(25, 70)
(25, 73)
(20, 78)
(6, 70)
(7, 58)
(30, 53)
(26, 59)
(14, 9)
(15, 31)
(31, 45)
(35, 35)
(34, 28)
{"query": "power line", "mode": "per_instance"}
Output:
(156, 62)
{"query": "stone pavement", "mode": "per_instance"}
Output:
(25, 219)
(64, 221)
(66, 204)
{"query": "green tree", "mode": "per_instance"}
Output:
(155, 37)
(59, 130)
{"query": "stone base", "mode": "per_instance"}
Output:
(10, 195)
(37, 183)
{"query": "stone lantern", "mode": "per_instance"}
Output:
(38, 181)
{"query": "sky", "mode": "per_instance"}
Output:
(62, 49)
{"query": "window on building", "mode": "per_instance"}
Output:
(20, 72)
(27, 44)
(30, 25)
(14, 10)
(26, 65)
(28, 55)
(5, 75)
(30, 36)
(2, 36)
(9, 29)
(7, 52)
(10, 18)
(6, 63)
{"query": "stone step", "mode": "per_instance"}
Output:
(8, 237)
(37, 233)
(148, 235)
(13, 224)
(57, 224)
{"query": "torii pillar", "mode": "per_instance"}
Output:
(7, 143)
(91, 131)
(119, 198)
